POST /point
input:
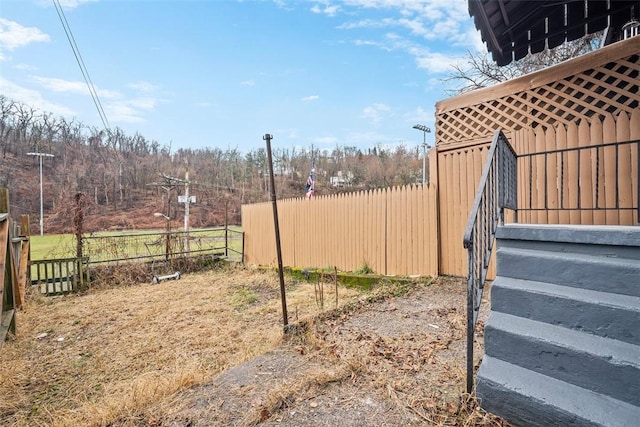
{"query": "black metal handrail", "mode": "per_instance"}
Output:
(497, 190)
(584, 198)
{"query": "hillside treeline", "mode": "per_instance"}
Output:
(120, 180)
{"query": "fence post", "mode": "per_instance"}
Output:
(285, 317)
(78, 221)
(8, 288)
(4, 200)
(226, 228)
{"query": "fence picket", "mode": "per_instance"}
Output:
(597, 171)
(634, 133)
(625, 192)
(562, 163)
(552, 175)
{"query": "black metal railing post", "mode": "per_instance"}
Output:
(497, 190)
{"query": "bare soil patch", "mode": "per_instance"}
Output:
(208, 350)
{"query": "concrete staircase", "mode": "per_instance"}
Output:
(562, 342)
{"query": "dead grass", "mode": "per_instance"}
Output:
(109, 356)
(151, 355)
(413, 375)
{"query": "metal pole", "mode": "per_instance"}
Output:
(168, 241)
(285, 318)
(41, 209)
(226, 228)
(424, 157)
(425, 130)
(470, 322)
(40, 155)
(187, 201)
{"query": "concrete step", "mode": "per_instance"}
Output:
(524, 397)
(604, 314)
(594, 272)
(595, 363)
(614, 241)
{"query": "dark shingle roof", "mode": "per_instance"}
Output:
(514, 28)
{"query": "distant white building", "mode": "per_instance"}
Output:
(342, 180)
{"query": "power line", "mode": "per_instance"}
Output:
(80, 61)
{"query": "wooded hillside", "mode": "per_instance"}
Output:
(120, 176)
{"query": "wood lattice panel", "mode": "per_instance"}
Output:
(605, 81)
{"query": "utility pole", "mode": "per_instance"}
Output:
(187, 201)
(425, 130)
(40, 155)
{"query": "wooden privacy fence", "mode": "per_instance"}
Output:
(14, 256)
(574, 127)
(588, 101)
(390, 231)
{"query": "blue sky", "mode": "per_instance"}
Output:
(222, 73)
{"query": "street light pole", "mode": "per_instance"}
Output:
(40, 155)
(425, 130)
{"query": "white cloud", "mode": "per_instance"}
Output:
(117, 107)
(434, 62)
(25, 67)
(419, 116)
(248, 83)
(66, 4)
(130, 110)
(366, 23)
(142, 86)
(310, 98)
(77, 87)
(14, 35)
(280, 4)
(475, 39)
(412, 22)
(375, 112)
(325, 8)
(74, 3)
(437, 63)
(143, 103)
(32, 98)
(372, 43)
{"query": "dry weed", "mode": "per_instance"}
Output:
(113, 356)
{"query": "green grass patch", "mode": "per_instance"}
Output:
(364, 281)
(130, 244)
(52, 246)
(243, 297)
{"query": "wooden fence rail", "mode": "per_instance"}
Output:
(60, 276)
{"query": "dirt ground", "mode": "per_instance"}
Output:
(209, 350)
(395, 362)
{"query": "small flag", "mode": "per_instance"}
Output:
(310, 189)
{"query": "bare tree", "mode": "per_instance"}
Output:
(24, 118)
(479, 70)
(6, 110)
